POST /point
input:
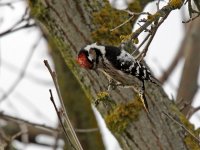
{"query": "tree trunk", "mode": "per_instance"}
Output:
(71, 25)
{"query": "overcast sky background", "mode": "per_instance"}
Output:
(30, 100)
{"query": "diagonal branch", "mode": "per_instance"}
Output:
(65, 116)
(172, 5)
(17, 27)
(189, 79)
(152, 34)
(60, 119)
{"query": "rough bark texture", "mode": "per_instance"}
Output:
(70, 24)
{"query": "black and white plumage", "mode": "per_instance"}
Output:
(118, 64)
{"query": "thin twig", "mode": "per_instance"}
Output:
(143, 53)
(66, 118)
(60, 119)
(11, 30)
(192, 111)
(182, 126)
(42, 126)
(133, 14)
(142, 43)
(54, 78)
(125, 22)
(155, 17)
(157, 5)
(24, 129)
(12, 2)
(191, 19)
(86, 130)
(16, 26)
(19, 120)
(17, 135)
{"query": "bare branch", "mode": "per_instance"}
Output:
(60, 119)
(157, 4)
(192, 111)
(143, 53)
(133, 14)
(12, 30)
(161, 13)
(189, 79)
(191, 19)
(142, 43)
(10, 4)
(125, 22)
(65, 116)
(42, 126)
(19, 120)
(17, 27)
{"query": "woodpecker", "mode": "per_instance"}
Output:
(118, 65)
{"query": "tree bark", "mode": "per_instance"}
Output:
(71, 25)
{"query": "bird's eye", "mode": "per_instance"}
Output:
(92, 55)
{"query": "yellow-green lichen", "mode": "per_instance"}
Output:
(176, 3)
(125, 37)
(181, 117)
(55, 39)
(135, 6)
(103, 96)
(106, 19)
(105, 99)
(37, 9)
(136, 40)
(190, 141)
(118, 119)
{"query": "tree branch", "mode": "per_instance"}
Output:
(188, 83)
(64, 116)
(15, 27)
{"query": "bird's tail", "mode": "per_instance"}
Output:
(144, 101)
(154, 80)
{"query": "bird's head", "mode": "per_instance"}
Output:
(88, 57)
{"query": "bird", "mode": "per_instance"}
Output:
(118, 65)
